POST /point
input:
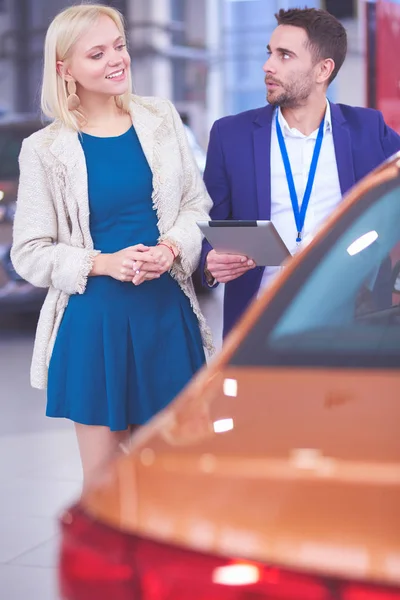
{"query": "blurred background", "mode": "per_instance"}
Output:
(207, 57)
(204, 55)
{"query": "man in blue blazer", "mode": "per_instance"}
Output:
(261, 163)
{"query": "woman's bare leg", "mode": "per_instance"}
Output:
(97, 445)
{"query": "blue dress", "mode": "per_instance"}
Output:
(122, 352)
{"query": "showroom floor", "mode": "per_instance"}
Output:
(39, 470)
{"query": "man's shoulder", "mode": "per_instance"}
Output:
(368, 130)
(359, 114)
(244, 119)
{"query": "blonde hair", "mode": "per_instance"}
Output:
(62, 34)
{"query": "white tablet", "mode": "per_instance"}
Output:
(258, 240)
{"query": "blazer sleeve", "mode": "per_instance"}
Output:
(36, 254)
(390, 140)
(195, 206)
(218, 186)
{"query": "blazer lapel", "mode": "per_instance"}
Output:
(343, 150)
(145, 123)
(67, 148)
(262, 160)
(68, 151)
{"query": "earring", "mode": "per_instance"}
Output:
(73, 101)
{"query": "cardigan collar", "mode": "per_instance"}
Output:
(67, 148)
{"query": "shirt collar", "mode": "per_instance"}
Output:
(293, 132)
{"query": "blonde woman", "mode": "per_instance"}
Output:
(108, 201)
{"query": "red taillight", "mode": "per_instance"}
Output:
(94, 560)
(364, 592)
(100, 563)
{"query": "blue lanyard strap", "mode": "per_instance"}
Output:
(300, 212)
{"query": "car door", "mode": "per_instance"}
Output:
(319, 373)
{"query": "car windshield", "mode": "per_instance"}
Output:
(347, 310)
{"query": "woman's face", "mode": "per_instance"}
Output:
(100, 62)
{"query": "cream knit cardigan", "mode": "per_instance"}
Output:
(52, 245)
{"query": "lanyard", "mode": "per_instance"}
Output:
(300, 213)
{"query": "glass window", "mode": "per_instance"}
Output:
(189, 80)
(178, 16)
(347, 311)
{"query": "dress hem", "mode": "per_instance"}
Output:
(81, 422)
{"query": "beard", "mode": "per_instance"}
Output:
(291, 94)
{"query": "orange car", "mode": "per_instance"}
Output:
(276, 473)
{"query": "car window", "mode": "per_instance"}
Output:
(347, 311)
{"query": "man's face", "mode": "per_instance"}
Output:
(289, 70)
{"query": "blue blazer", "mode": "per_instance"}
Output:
(238, 176)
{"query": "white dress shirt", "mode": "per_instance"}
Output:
(325, 195)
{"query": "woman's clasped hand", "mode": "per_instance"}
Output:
(137, 263)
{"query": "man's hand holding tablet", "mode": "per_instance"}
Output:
(239, 246)
(226, 267)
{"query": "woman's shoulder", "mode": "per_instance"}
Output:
(43, 138)
(156, 105)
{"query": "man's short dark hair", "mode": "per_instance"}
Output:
(326, 35)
